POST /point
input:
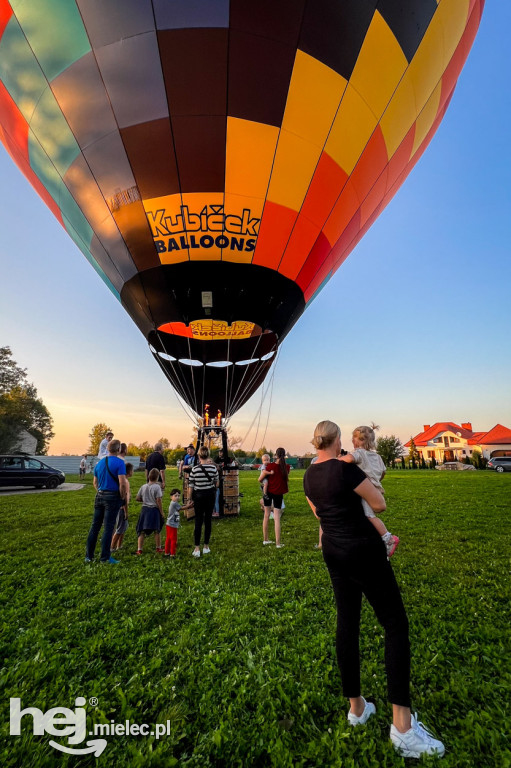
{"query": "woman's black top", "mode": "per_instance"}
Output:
(330, 486)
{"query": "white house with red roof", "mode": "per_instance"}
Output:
(447, 441)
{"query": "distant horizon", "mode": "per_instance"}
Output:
(346, 439)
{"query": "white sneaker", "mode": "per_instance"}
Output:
(279, 546)
(415, 742)
(369, 709)
(206, 550)
(268, 542)
(196, 553)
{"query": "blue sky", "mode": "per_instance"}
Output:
(414, 328)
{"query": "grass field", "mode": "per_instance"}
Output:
(236, 649)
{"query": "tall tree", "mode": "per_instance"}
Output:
(413, 453)
(20, 407)
(96, 435)
(11, 375)
(390, 449)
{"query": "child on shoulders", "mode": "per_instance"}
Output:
(370, 462)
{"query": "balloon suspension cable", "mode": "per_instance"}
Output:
(226, 404)
(264, 392)
(181, 391)
(238, 395)
(189, 413)
(201, 409)
(272, 380)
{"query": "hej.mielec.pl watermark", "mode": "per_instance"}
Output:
(71, 724)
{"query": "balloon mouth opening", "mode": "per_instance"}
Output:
(213, 330)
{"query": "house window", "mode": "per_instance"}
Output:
(446, 440)
(464, 453)
(431, 454)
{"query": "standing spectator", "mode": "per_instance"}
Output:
(357, 563)
(112, 489)
(103, 446)
(173, 523)
(83, 465)
(123, 451)
(189, 460)
(277, 473)
(203, 482)
(222, 462)
(151, 517)
(155, 460)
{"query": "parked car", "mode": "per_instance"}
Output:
(22, 469)
(500, 463)
(458, 466)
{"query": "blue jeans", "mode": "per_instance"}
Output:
(106, 509)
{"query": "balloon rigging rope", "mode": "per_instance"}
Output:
(271, 398)
(237, 396)
(193, 379)
(234, 400)
(260, 410)
(192, 418)
(264, 393)
(181, 383)
(228, 367)
(179, 397)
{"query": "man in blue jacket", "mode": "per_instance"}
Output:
(112, 486)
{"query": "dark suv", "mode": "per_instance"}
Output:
(22, 469)
(500, 463)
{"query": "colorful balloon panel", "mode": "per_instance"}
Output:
(217, 161)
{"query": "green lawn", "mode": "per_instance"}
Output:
(236, 649)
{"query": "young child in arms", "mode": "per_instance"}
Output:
(364, 454)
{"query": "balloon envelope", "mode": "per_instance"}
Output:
(217, 161)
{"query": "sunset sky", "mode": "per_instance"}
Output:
(414, 328)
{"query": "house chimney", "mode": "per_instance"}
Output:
(426, 427)
(467, 425)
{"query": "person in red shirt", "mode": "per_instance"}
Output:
(277, 473)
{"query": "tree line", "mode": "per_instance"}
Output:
(172, 454)
(20, 407)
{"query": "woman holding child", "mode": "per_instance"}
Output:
(357, 562)
(276, 473)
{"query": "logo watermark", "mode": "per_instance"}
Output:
(71, 724)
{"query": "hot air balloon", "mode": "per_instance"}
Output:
(216, 161)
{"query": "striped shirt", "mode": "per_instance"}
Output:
(199, 481)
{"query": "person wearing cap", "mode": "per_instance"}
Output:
(190, 459)
(103, 446)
